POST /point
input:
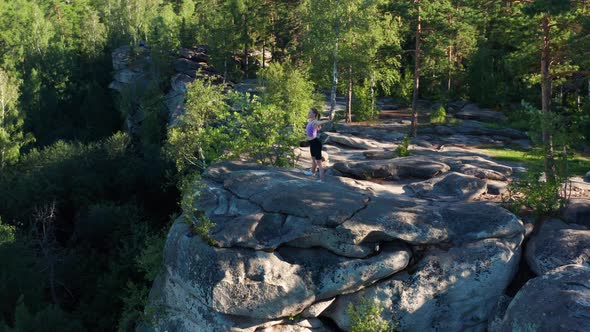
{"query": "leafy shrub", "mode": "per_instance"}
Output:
(262, 128)
(402, 149)
(542, 197)
(200, 224)
(438, 116)
(366, 316)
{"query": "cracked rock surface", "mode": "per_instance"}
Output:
(289, 250)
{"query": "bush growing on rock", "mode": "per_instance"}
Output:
(402, 149)
(365, 316)
(542, 197)
(262, 128)
(438, 116)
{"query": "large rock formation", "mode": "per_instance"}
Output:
(288, 250)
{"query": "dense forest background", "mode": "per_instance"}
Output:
(85, 204)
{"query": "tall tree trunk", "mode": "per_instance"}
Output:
(372, 94)
(263, 53)
(450, 69)
(416, 74)
(246, 64)
(335, 65)
(546, 99)
(349, 96)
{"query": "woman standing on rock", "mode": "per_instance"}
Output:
(315, 146)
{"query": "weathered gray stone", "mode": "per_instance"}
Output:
(461, 222)
(269, 285)
(456, 105)
(449, 187)
(380, 154)
(180, 82)
(559, 300)
(497, 187)
(175, 104)
(413, 166)
(452, 290)
(127, 76)
(293, 194)
(352, 142)
(473, 112)
(577, 211)
(470, 163)
(317, 308)
(557, 244)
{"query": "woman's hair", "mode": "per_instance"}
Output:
(315, 111)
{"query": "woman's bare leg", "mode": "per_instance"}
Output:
(321, 167)
(313, 164)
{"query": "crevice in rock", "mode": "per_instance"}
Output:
(523, 274)
(356, 212)
(329, 324)
(577, 285)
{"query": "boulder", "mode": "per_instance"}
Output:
(557, 244)
(470, 163)
(386, 220)
(453, 290)
(198, 55)
(456, 105)
(449, 187)
(180, 82)
(270, 285)
(473, 112)
(577, 211)
(413, 166)
(351, 141)
(497, 187)
(559, 300)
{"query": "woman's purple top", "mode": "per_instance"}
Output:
(311, 130)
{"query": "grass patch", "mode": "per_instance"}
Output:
(578, 164)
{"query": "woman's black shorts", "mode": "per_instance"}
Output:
(315, 147)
